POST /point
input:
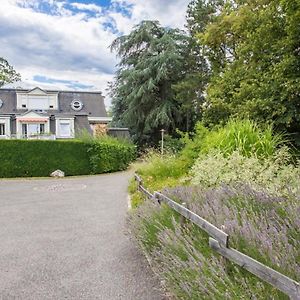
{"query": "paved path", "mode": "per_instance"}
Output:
(65, 239)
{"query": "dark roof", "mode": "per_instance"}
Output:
(93, 103)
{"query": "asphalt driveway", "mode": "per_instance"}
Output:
(66, 239)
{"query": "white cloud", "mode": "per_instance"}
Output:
(89, 7)
(169, 13)
(48, 38)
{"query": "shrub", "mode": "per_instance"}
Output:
(243, 183)
(159, 171)
(260, 225)
(244, 136)
(185, 261)
(172, 145)
(193, 144)
(108, 154)
(22, 158)
(273, 174)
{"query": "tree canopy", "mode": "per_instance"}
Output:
(146, 93)
(239, 58)
(253, 50)
(7, 73)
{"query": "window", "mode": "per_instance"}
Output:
(2, 129)
(77, 105)
(32, 129)
(65, 129)
(38, 102)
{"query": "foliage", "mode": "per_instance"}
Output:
(172, 145)
(108, 154)
(193, 143)
(274, 174)
(253, 51)
(244, 136)
(21, 158)
(201, 13)
(186, 262)
(160, 171)
(260, 225)
(7, 73)
(153, 60)
(241, 181)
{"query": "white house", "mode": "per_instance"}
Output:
(49, 114)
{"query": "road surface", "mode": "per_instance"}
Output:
(66, 239)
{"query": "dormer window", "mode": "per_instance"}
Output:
(37, 99)
(77, 105)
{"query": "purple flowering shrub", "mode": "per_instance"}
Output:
(260, 225)
(182, 257)
(255, 200)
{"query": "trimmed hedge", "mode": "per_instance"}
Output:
(37, 158)
(110, 156)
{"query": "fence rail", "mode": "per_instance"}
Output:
(219, 242)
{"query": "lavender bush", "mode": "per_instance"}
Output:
(256, 201)
(183, 258)
(263, 226)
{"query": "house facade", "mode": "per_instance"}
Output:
(44, 114)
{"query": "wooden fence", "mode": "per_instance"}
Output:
(219, 241)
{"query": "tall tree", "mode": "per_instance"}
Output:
(7, 73)
(153, 60)
(253, 50)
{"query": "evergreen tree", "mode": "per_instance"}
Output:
(153, 61)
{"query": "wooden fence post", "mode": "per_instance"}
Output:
(182, 218)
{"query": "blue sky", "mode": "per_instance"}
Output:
(64, 44)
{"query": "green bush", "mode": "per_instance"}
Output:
(273, 174)
(36, 158)
(109, 155)
(159, 171)
(20, 158)
(171, 144)
(242, 181)
(244, 136)
(193, 144)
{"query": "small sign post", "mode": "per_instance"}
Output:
(162, 141)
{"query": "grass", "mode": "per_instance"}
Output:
(242, 183)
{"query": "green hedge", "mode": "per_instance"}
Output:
(110, 157)
(35, 158)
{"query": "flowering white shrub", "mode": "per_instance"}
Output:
(273, 174)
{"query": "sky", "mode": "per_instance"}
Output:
(64, 44)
